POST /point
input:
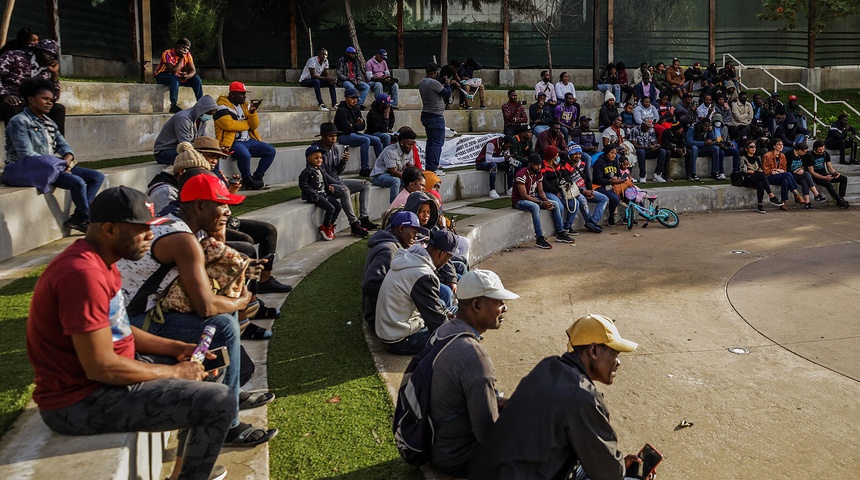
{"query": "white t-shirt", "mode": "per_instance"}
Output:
(562, 89)
(313, 62)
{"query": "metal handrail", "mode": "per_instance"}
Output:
(777, 82)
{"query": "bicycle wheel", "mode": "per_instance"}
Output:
(629, 216)
(667, 218)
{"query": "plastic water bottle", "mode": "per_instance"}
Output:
(205, 340)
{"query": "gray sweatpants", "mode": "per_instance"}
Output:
(204, 408)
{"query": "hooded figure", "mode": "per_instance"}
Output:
(414, 203)
(184, 126)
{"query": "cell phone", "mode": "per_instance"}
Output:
(257, 101)
(221, 360)
(650, 459)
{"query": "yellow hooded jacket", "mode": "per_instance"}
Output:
(227, 125)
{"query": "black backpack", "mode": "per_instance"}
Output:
(413, 428)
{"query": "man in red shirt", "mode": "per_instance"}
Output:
(513, 114)
(89, 370)
(528, 196)
(177, 69)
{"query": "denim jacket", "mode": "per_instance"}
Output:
(25, 136)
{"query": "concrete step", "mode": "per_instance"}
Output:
(92, 98)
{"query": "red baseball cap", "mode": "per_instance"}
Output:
(237, 87)
(208, 187)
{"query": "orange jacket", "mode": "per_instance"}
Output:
(227, 125)
(773, 160)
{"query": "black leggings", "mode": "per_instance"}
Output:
(758, 180)
(255, 232)
(842, 180)
(805, 182)
(331, 206)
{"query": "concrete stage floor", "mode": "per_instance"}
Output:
(783, 285)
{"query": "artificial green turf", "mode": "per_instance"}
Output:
(262, 200)
(496, 204)
(118, 162)
(333, 410)
(16, 376)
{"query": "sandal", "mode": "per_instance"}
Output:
(265, 313)
(248, 436)
(256, 332)
(248, 400)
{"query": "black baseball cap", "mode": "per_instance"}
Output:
(124, 205)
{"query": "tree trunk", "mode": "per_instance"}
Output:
(810, 27)
(350, 22)
(596, 47)
(548, 54)
(506, 35)
(221, 62)
(444, 47)
(7, 18)
(294, 37)
(401, 55)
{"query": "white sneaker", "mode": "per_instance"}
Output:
(659, 178)
(440, 172)
(642, 180)
(721, 176)
(323, 108)
(493, 194)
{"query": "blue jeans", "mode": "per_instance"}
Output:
(601, 200)
(534, 209)
(732, 149)
(392, 88)
(494, 168)
(166, 157)
(573, 205)
(716, 153)
(412, 344)
(616, 89)
(786, 182)
(362, 88)
(83, 184)
(390, 181)
(187, 327)
(539, 128)
(316, 84)
(243, 151)
(383, 137)
(659, 154)
(173, 83)
(363, 141)
(611, 196)
(434, 126)
(446, 296)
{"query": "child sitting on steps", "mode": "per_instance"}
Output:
(317, 188)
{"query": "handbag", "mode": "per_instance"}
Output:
(225, 267)
(738, 178)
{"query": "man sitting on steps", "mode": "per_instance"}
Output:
(95, 372)
(236, 123)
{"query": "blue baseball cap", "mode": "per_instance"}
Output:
(383, 53)
(406, 219)
(444, 240)
(350, 50)
(350, 92)
(313, 149)
(383, 99)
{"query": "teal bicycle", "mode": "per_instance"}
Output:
(636, 204)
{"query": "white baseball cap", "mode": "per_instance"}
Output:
(483, 283)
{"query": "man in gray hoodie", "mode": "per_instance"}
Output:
(402, 229)
(408, 309)
(185, 126)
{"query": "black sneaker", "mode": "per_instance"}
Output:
(563, 237)
(272, 285)
(844, 204)
(611, 220)
(75, 223)
(364, 172)
(367, 224)
(250, 183)
(542, 243)
(820, 198)
(760, 208)
(776, 201)
(259, 178)
(175, 108)
(571, 231)
(357, 231)
(593, 227)
(810, 206)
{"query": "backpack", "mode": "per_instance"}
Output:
(413, 428)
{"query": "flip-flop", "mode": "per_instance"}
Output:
(243, 440)
(256, 332)
(254, 399)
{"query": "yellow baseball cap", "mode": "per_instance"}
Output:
(597, 329)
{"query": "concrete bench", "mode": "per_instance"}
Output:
(30, 450)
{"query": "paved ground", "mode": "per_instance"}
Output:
(788, 409)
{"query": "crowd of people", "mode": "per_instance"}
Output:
(116, 316)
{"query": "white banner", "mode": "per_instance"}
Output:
(461, 150)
